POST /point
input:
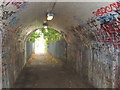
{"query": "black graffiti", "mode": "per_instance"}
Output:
(7, 14)
(118, 11)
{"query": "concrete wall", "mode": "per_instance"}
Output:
(0, 58)
(58, 49)
(94, 65)
(29, 49)
(98, 61)
(12, 56)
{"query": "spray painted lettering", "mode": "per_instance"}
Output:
(105, 10)
(109, 17)
(17, 3)
(7, 14)
(107, 32)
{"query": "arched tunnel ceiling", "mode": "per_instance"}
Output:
(72, 12)
(77, 21)
(67, 14)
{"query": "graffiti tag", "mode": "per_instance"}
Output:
(105, 10)
(17, 3)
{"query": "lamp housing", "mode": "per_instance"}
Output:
(50, 16)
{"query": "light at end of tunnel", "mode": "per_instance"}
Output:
(40, 45)
(46, 30)
(45, 27)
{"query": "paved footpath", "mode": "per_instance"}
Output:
(43, 71)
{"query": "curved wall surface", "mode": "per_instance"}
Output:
(91, 30)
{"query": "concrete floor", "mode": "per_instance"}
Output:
(43, 71)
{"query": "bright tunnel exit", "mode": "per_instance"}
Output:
(42, 38)
(40, 44)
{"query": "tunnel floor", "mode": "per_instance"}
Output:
(44, 71)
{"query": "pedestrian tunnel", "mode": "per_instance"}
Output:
(90, 29)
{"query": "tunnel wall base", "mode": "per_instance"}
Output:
(13, 58)
(91, 65)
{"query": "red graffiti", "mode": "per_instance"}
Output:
(16, 3)
(105, 10)
(8, 2)
(109, 31)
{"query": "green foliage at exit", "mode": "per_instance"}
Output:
(34, 36)
(49, 34)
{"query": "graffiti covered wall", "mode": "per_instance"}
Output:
(0, 48)
(98, 49)
(93, 48)
(0, 58)
(11, 53)
(108, 34)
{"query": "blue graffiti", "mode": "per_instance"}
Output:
(118, 0)
(109, 17)
(14, 21)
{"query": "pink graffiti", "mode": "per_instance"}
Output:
(105, 10)
(16, 3)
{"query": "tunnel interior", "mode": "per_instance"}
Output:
(91, 31)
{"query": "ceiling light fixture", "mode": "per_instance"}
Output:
(45, 24)
(50, 16)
